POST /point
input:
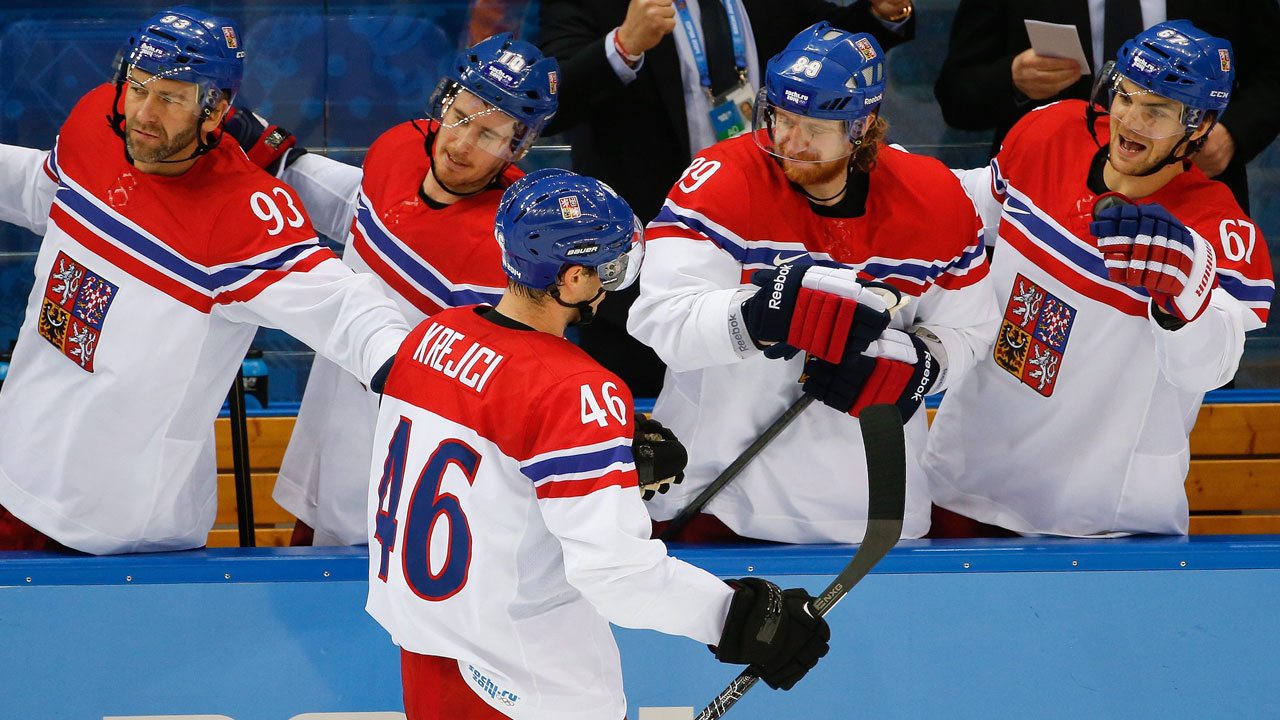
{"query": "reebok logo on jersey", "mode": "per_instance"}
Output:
(1033, 336)
(76, 301)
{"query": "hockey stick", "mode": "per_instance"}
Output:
(882, 436)
(240, 462)
(691, 510)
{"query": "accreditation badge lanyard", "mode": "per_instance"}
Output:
(730, 111)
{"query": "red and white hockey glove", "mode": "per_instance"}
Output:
(823, 311)
(265, 144)
(898, 368)
(1146, 247)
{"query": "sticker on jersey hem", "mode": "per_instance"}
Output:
(1033, 335)
(75, 305)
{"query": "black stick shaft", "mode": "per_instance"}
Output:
(240, 462)
(693, 508)
(885, 446)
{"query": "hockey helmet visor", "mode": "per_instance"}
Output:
(1141, 110)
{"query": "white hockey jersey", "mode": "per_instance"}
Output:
(426, 259)
(148, 291)
(732, 213)
(511, 449)
(1076, 422)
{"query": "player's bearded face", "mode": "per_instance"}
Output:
(161, 119)
(469, 147)
(811, 151)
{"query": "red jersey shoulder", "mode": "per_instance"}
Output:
(1046, 127)
(723, 175)
(252, 212)
(403, 144)
(87, 146)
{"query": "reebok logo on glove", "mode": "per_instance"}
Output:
(779, 285)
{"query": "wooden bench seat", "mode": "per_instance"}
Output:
(1233, 486)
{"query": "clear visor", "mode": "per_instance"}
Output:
(799, 138)
(1141, 111)
(176, 89)
(620, 272)
(467, 118)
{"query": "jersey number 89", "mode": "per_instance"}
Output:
(427, 505)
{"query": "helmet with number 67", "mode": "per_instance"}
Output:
(552, 218)
(513, 80)
(820, 95)
(1174, 60)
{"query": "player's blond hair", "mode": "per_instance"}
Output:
(864, 157)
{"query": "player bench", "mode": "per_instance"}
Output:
(1233, 486)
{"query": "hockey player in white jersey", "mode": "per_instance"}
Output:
(1116, 322)
(505, 527)
(418, 217)
(810, 200)
(163, 251)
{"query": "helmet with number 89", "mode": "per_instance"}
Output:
(820, 95)
(551, 218)
(1174, 60)
(514, 80)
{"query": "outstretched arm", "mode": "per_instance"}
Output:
(27, 187)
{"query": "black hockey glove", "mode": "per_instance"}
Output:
(821, 310)
(268, 146)
(772, 630)
(659, 456)
(896, 369)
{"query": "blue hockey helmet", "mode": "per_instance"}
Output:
(824, 73)
(1175, 60)
(511, 76)
(188, 45)
(551, 218)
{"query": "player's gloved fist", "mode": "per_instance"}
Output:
(898, 368)
(1146, 247)
(823, 311)
(659, 456)
(265, 144)
(774, 631)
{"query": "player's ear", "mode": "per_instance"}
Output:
(1205, 126)
(215, 116)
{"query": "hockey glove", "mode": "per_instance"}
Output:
(1146, 247)
(270, 147)
(824, 311)
(897, 369)
(772, 630)
(659, 456)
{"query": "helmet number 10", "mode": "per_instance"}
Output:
(513, 61)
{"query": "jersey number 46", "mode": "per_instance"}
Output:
(427, 506)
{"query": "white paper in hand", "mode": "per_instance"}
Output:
(1057, 41)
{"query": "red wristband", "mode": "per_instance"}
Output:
(617, 45)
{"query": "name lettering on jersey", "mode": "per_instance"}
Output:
(1033, 336)
(76, 301)
(473, 368)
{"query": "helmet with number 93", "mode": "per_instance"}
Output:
(1174, 60)
(820, 95)
(552, 218)
(512, 78)
(187, 45)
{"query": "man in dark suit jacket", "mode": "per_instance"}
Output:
(634, 136)
(977, 88)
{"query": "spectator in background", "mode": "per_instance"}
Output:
(1077, 422)
(991, 77)
(635, 104)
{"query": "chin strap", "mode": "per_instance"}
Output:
(585, 312)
